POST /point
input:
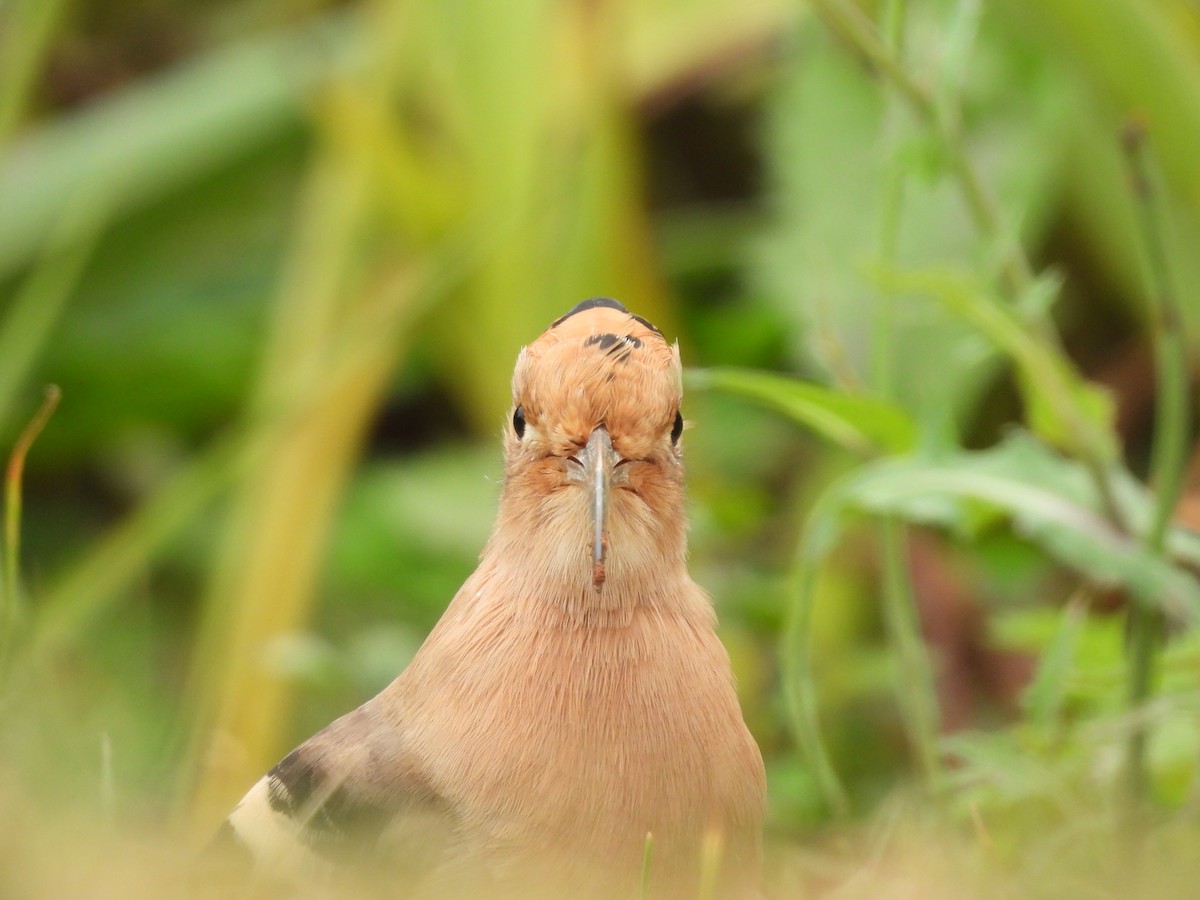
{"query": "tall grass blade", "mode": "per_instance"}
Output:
(1172, 427)
(10, 603)
(915, 688)
(42, 296)
(915, 693)
(647, 858)
(800, 691)
(1043, 698)
(164, 132)
(29, 27)
(712, 849)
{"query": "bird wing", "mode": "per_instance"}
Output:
(352, 796)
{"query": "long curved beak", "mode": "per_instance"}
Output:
(599, 459)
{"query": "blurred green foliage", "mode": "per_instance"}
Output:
(279, 255)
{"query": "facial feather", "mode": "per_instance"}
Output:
(598, 367)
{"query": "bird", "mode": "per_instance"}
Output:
(570, 726)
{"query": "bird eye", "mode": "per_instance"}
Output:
(519, 422)
(677, 428)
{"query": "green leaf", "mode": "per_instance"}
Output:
(1044, 696)
(144, 141)
(1061, 406)
(831, 150)
(861, 424)
(1049, 501)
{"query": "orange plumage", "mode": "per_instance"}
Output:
(574, 696)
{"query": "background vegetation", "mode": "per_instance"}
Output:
(279, 256)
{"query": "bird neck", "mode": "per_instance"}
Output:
(546, 568)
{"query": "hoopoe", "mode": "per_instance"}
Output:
(574, 704)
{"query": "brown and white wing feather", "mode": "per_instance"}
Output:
(350, 797)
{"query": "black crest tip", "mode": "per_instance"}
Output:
(598, 302)
(590, 303)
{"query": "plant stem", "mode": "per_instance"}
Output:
(1142, 646)
(1171, 408)
(852, 26)
(799, 689)
(1171, 427)
(883, 364)
(712, 849)
(26, 40)
(915, 688)
(10, 607)
(37, 304)
(847, 21)
(915, 685)
(647, 856)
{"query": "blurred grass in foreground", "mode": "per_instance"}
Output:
(281, 279)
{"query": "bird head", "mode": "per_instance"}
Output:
(593, 462)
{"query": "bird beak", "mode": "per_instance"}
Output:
(598, 460)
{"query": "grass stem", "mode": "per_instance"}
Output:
(647, 858)
(10, 603)
(25, 44)
(1171, 429)
(915, 687)
(915, 684)
(883, 362)
(800, 692)
(712, 849)
(849, 23)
